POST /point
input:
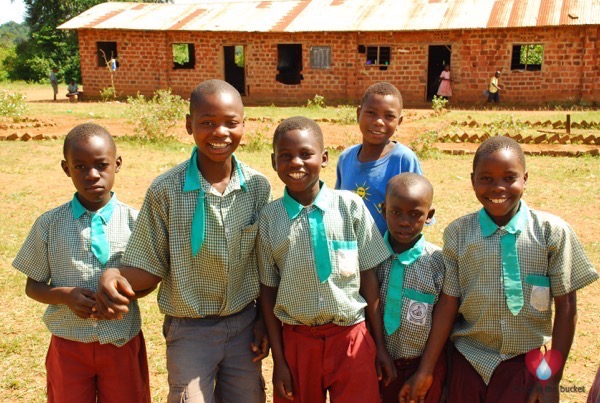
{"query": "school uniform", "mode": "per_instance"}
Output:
(208, 289)
(322, 315)
(491, 335)
(410, 284)
(58, 251)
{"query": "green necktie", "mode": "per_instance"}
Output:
(511, 272)
(320, 245)
(100, 245)
(197, 232)
(392, 314)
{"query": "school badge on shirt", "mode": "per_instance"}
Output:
(417, 312)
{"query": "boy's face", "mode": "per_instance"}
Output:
(217, 124)
(499, 181)
(298, 159)
(92, 164)
(378, 117)
(406, 210)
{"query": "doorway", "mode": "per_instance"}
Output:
(235, 67)
(439, 56)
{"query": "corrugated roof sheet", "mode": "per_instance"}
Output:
(337, 15)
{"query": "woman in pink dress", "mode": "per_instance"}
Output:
(445, 90)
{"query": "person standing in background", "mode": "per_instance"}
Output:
(445, 90)
(54, 81)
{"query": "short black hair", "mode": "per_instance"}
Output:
(409, 180)
(498, 143)
(298, 123)
(382, 88)
(212, 87)
(86, 131)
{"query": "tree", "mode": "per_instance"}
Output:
(50, 47)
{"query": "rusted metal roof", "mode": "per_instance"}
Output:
(337, 15)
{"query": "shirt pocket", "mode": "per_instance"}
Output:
(346, 257)
(539, 297)
(418, 307)
(247, 238)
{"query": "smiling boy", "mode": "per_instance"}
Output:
(366, 168)
(195, 236)
(63, 257)
(315, 248)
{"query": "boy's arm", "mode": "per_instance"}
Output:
(369, 289)
(563, 331)
(417, 386)
(79, 300)
(260, 346)
(282, 377)
(117, 287)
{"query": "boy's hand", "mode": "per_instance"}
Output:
(81, 301)
(260, 346)
(548, 393)
(111, 303)
(282, 381)
(415, 388)
(384, 361)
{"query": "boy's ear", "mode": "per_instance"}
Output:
(118, 163)
(325, 159)
(473, 179)
(400, 121)
(358, 113)
(383, 209)
(188, 123)
(430, 216)
(273, 162)
(65, 168)
(525, 177)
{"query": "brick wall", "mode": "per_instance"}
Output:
(570, 71)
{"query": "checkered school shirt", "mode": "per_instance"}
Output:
(286, 261)
(425, 275)
(222, 278)
(58, 251)
(552, 263)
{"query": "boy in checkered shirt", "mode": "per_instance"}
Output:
(195, 235)
(316, 250)
(63, 257)
(504, 266)
(410, 281)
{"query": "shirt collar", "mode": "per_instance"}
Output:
(192, 174)
(105, 212)
(515, 225)
(293, 208)
(408, 256)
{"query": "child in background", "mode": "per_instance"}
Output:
(366, 168)
(410, 281)
(315, 249)
(63, 257)
(195, 235)
(504, 266)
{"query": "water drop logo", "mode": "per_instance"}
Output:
(543, 365)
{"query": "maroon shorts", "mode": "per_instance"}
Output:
(338, 359)
(405, 368)
(80, 372)
(510, 382)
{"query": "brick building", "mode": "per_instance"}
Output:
(285, 52)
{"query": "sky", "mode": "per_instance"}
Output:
(11, 11)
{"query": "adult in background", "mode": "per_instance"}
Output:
(54, 81)
(445, 89)
(73, 91)
(494, 89)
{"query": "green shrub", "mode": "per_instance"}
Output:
(346, 116)
(108, 94)
(257, 141)
(438, 103)
(12, 104)
(155, 118)
(318, 102)
(424, 145)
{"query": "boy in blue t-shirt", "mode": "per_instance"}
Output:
(366, 168)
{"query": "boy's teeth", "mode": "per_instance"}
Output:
(498, 201)
(218, 145)
(297, 175)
